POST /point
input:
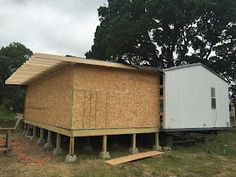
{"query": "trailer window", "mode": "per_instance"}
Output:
(213, 98)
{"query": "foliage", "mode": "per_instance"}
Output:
(5, 114)
(167, 33)
(11, 57)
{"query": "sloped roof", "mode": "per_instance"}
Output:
(40, 64)
(193, 65)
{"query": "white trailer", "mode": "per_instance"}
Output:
(195, 98)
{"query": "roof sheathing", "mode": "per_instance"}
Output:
(40, 64)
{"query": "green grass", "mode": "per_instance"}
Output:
(217, 157)
(5, 114)
(224, 144)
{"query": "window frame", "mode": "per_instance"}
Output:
(213, 98)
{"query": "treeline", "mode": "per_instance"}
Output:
(167, 33)
(12, 97)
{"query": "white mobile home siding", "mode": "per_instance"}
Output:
(187, 99)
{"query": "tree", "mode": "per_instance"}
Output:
(167, 33)
(12, 57)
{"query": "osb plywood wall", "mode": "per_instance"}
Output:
(49, 100)
(114, 98)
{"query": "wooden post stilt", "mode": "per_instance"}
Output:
(34, 133)
(71, 157)
(133, 149)
(157, 146)
(134, 141)
(9, 140)
(104, 154)
(104, 144)
(24, 128)
(72, 146)
(58, 149)
(41, 139)
(48, 144)
(27, 130)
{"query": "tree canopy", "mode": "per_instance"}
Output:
(12, 57)
(167, 33)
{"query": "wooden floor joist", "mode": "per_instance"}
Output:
(133, 157)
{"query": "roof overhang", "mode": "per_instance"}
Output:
(41, 64)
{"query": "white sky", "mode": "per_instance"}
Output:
(50, 26)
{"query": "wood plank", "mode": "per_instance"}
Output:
(113, 131)
(92, 132)
(82, 61)
(44, 60)
(59, 130)
(133, 157)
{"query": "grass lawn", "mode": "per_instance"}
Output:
(215, 158)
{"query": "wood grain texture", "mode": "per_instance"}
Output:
(49, 100)
(133, 157)
(114, 98)
(41, 64)
(91, 132)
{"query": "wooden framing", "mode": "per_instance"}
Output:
(80, 97)
(94, 132)
(40, 64)
(8, 133)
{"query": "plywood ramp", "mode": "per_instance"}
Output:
(133, 157)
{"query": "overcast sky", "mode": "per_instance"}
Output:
(50, 26)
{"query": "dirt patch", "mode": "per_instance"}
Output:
(25, 155)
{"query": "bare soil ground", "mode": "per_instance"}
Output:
(215, 158)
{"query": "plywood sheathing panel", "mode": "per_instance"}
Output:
(101, 110)
(133, 157)
(49, 99)
(114, 98)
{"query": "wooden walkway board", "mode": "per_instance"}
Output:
(133, 157)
